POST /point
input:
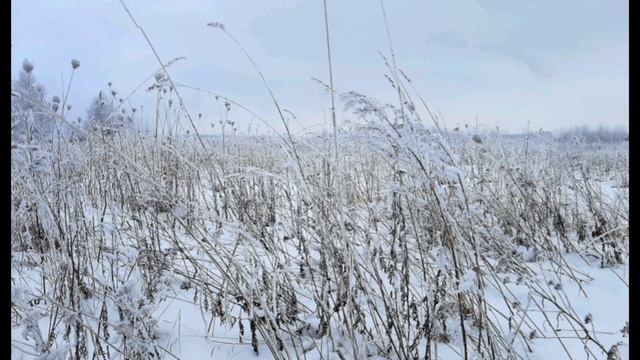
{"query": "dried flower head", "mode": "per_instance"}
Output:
(625, 329)
(588, 318)
(75, 64)
(613, 353)
(55, 99)
(158, 76)
(476, 138)
(558, 286)
(27, 66)
(216, 25)
(54, 107)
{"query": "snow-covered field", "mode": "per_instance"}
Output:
(167, 231)
(402, 243)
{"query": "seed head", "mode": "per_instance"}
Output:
(516, 304)
(612, 354)
(75, 64)
(216, 25)
(558, 286)
(54, 107)
(158, 76)
(625, 329)
(27, 66)
(477, 139)
(588, 318)
(55, 99)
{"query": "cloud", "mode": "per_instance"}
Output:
(455, 51)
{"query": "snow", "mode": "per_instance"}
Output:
(271, 263)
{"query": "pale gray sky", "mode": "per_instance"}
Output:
(551, 63)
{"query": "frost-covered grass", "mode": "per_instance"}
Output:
(390, 238)
(409, 243)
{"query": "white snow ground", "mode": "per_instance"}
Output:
(183, 327)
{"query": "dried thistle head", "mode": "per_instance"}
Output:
(27, 66)
(158, 76)
(588, 318)
(625, 329)
(613, 353)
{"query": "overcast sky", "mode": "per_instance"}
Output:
(552, 63)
